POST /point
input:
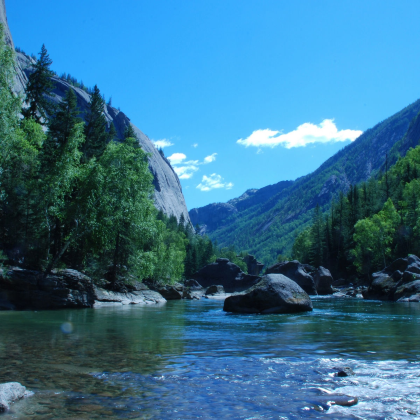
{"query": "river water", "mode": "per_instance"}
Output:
(189, 360)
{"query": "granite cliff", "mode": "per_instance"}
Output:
(168, 195)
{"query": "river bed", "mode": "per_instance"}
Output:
(189, 360)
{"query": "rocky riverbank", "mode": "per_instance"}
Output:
(22, 289)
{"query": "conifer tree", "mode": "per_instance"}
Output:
(38, 89)
(96, 134)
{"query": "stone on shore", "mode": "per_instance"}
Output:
(9, 393)
(274, 294)
(215, 290)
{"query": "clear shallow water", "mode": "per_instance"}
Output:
(189, 359)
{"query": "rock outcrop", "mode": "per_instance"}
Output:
(274, 294)
(297, 272)
(22, 289)
(168, 195)
(226, 274)
(254, 267)
(11, 392)
(400, 281)
(323, 281)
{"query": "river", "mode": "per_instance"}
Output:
(189, 360)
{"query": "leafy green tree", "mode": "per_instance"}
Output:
(374, 237)
(302, 246)
(39, 89)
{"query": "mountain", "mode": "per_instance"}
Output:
(266, 221)
(168, 195)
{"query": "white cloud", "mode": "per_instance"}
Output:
(195, 145)
(212, 182)
(176, 158)
(305, 134)
(185, 168)
(211, 158)
(160, 144)
(185, 172)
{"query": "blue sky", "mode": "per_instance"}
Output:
(248, 93)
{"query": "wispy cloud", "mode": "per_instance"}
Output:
(185, 168)
(209, 159)
(212, 182)
(160, 144)
(176, 158)
(305, 134)
(195, 145)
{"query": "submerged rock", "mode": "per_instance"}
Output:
(275, 293)
(11, 392)
(297, 272)
(343, 372)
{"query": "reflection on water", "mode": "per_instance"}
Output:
(191, 360)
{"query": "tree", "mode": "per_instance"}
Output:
(373, 238)
(38, 90)
(96, 134)
(129, 132)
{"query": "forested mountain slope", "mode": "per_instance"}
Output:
(168, 195)
(267, 226)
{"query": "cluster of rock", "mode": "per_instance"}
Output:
(312, 281)
(223, 272)
(27, 289)
(399, 282)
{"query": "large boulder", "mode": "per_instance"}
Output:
(297, 272)
(9, 393)
(274, 294)
(323, 281)
(171, 292)
(226, 274)
(192, 284)
(399, 281)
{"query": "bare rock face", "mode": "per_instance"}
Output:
(11, 392)
(274, 294)
(168, 195)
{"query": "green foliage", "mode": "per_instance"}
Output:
(38, 89)
(74, 197)
(375, 222)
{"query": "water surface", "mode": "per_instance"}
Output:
(189, 360)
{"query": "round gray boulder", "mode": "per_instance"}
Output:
(274, 294)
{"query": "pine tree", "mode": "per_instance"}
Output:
(129, 132)
(38, 90)
(96, 127)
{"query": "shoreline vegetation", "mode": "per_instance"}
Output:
(74, 195)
